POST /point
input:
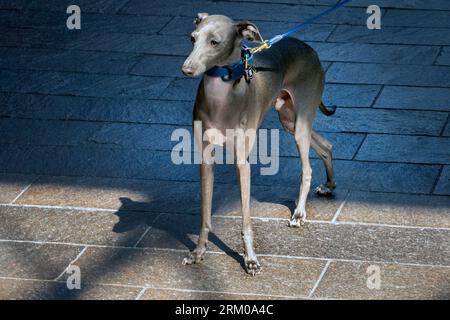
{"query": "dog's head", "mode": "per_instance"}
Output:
(216, 41)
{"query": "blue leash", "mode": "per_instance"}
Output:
(268, 43)
(244, 67)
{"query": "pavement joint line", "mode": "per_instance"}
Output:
(322, 274)
(226, 292)
(141, 293)
(224, 253)
(359, 147)
(410, 264)
(146, 287)
(331, 32)
(38, 206)
(441, 49)
(147, 230)
(264, 219)
(380, 91)
(353, 223)
(445, 125)
(62, 281)
(21, 193)
(436, 182)
(339, 210)
(160, 31)
(71, 263)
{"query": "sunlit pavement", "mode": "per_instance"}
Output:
(86, 177)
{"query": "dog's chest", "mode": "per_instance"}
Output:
(224, 106)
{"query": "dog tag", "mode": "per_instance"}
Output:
(249, 72)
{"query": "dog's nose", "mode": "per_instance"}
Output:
(188, 71)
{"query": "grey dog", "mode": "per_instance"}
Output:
(290, 77)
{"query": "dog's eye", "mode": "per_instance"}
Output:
(193, 40)
(214, 43)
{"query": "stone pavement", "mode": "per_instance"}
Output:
(86, 177)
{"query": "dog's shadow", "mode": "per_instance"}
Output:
(166, 231)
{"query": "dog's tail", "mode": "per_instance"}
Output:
(325, 111)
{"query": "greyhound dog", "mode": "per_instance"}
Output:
(288, 76)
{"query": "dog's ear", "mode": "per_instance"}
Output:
(249, 31)
(200, 17)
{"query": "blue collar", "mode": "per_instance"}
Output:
(233, 71)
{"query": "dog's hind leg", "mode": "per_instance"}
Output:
(323, 149)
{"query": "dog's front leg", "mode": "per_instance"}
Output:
(252, 265)
(207, 182)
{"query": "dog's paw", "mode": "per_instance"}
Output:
(252, 266)
(193, 257)
(296, 223)
(298, 219)
(324, 190)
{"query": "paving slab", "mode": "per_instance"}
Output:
(367, 120)
(12, 289)
(132, 43)
(107, 6)
(13, 4)
(59, 107)
(405, 149)
(98, 22)
(376, 53)
(222, 273)
(245, 11)
(391, 35)
(414, 98)
(73, 226)
(397, 209)
(348, 280)
(12, 185)
(64, 60)
(416, 18)
(35, 261)
(390, 74)
(317, 240)
(181, 89)
(166, 66)
(17, 37)
(347, 95)
(93, 85)
(443, 184)
(46, 132)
